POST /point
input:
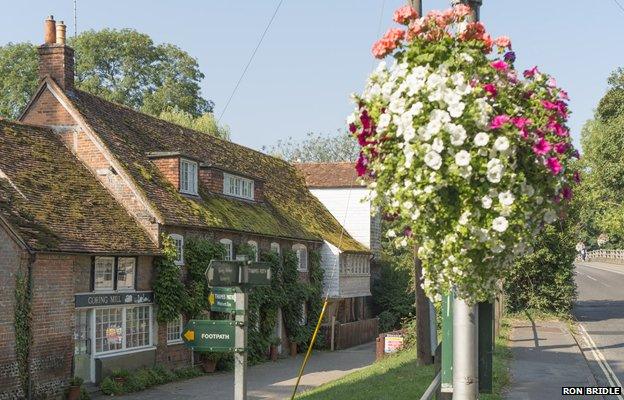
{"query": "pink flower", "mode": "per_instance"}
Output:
(503, 42)
(551, 82)
(520, 122)
(395, 35)
(407, 232)
(403, 15)
(499, 121)
(352, 127)
(461, 10)
(554, 165)
(563, 95)
(382, 48)
(500, 65)
(360, 165)
(561, 147)
(577, 177)
(566, 192)
(529, 73)
(542, 147)
(490, 88)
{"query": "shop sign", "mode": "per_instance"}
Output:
(393, 343)
(210, 335)
(112, 299)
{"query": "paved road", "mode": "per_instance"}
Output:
(600, 311)
(267, 380)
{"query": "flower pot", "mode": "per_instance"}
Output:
(273, 353)
(209, 366)
(293, 349)
(73, 393)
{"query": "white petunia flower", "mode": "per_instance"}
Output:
(457, 132)
(494, 170)
(465, 172)
(440, 115)
(433, 160)
(384, 121)
(501, 143)
(463, 219)
(465, 56)
(486, 202)
(456, 110)
(391, 234)
(397, 106)
(435, 80)
(527, 189)
(506, 198)
(481, 139)
(351, 119)
(432, 128)
(415, 214)
(437, 145)
(462, 158)
(500, 224)
(416, 108)
(550, 216)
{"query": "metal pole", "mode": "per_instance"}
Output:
(474, 4)
(416, 5)
(240, 358)
(465, 350)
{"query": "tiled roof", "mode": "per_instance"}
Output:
(289, 209)
(54, 203)
(329, 175)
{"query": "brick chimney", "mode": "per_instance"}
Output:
(56, 59)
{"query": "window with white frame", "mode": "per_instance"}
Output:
(126, 267)
(275, 247)
(188, 176)
(178, 242)
(121, 328)
(254, 245)
(174, 330)
(103, 273)
(302, 256)
(238, 186)
(229, 249)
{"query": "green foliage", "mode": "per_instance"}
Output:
(168, 288)
(612, 103)
(392, 292)
(144, 378)
(316, 148)
(544, 280)
(75, 381)
(22, 327)
(204, 123)
(197, 255)
(123, 66)
(387, 321)
(18, 77)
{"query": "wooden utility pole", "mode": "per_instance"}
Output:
(416, 5)
(475, 5)
(424, 353)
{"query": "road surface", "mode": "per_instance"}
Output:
(600, 312)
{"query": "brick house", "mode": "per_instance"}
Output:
(56, 223)
(348, 279)
(168, 180)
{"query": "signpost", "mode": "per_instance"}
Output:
(211, 335)
(223, 299)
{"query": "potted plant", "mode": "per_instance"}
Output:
(295, 340)
(209, 361)
(275, 341)
(75, 385)
(120, 376)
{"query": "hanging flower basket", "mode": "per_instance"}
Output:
(467, 157)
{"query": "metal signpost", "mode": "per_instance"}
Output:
(228, 281)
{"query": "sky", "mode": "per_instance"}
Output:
(318, 52)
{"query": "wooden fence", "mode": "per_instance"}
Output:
(351, 333)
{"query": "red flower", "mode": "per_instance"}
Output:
(360, 165)
(405, 14)
(490, 88)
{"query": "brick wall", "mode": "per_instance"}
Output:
(171, 355)
(52, 322)
(46, 110)
(57, 61)
(170, 168)
(211, 179)
(13, 260)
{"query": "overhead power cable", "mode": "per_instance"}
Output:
(619, 5)
(253, 54)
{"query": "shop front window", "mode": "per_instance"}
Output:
(122, 328)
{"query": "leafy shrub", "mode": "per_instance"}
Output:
(144, 378)
(544, 280)
(110, 387)
(392, 292)
(387, 321)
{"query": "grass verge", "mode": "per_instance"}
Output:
(399, 377)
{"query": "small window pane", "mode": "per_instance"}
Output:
(178, 242)
(188, 177)
(174, 330)
(125, 272)
(137, 326)
(104, 267)
(227, 243)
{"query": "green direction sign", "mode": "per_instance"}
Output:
(256, 274)
(210, 335)
(223, 273)
(222, 299)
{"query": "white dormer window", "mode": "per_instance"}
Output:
(188, 176)
(238, 186)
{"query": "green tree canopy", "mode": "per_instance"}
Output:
(204, 123)
(316, 147)
(124, 66)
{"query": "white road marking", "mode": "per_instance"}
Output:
(602, 362)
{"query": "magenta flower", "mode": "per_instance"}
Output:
(563, 95)
(407, 232)
(499, 121)
(566, 192)
(490, 88)
(529, 73)
(352, 127)
(365, 119)
(561, 147)
(360, 165)
(577, 177)
(520, 122)
(554, 165)
(542, 147)
(500, 65)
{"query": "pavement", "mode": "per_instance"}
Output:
(546, 357)
(268, 380)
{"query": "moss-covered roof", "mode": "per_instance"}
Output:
(329, 174)
(54, 203)
(289, 209)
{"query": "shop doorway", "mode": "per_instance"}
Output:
(82, 345)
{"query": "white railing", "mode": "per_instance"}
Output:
(612, 256)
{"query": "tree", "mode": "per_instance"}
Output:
(18, 77)
(204, 123)
(316, 147)
(123, 66)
